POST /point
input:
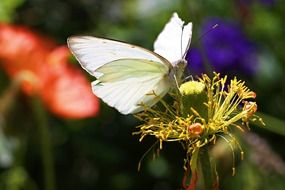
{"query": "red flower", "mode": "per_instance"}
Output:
(66, 90)
(62, 87)
(22, 50)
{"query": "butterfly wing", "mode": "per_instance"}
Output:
(127, 75)
(130, 84)
(174, 40)
(92, 52)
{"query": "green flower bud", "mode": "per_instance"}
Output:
(194, 97)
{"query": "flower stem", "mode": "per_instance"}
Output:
(207, 169)
(44, 135)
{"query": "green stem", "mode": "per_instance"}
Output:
(44, 135)
(207, 169)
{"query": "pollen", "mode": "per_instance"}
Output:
(192, 87)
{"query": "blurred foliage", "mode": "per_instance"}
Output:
(100, 152)
(7, 9)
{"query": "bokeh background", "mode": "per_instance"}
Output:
(55, 134)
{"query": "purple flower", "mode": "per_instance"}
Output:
(225, 49)
(195, 61)
(264, 2)
(267, 2)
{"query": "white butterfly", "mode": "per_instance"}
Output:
(128, 75)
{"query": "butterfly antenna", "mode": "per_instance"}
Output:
(207, 32)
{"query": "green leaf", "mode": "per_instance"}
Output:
(273, 124)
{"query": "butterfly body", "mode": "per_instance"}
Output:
(176, 72)
(130, 77)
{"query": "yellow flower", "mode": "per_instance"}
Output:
(204, 110)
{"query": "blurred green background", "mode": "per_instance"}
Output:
(43, 150)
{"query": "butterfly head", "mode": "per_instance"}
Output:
(179, 68)
(181, 64)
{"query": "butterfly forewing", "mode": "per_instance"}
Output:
(174, 40)
(131, 78)
(94, 52)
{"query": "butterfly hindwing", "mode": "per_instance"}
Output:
(130, 77)
(131, 83)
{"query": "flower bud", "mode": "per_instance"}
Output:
(195, 129)
(193, 98)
